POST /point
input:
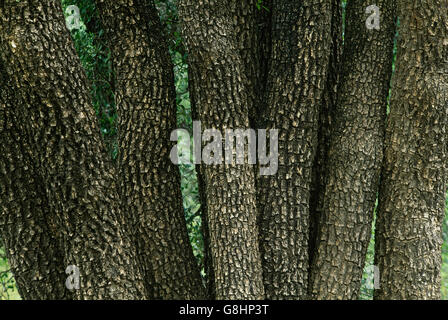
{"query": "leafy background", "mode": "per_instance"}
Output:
(91, 46)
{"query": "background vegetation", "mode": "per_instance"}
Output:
(92, 49)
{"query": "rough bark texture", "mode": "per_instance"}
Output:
(250, 27)
(66, 149)
(101, 86)
(301, 42)
(325, 120)
(221, 99)
(261, 58)
(30, 236)
(208, 260)
(209, 278)
(149, 181)
(300, 233)
(355, 154)
(413, 186)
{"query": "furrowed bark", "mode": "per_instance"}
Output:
(412, 194)
(248, 24)
(355, 154)
(261, 56)
(209, 278)
(32, 241)
(149, 181)
(221, 100)
(208, 261)
(301, 42)
(61, 129)
(102, 84)
(325, 120)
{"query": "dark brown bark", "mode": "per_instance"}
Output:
(325, 120)
(64, 142)
(209, 278)
(250, 24)
(208, 260)
(221, 99)
(101, 83)
(32, 241)
(301, 42)
(355, 154)
(300, 233)
(149, 181)
(260, 58)
(414, 176)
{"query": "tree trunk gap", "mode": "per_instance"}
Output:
(357, 92)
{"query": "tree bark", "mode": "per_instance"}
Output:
(412, 194)
(355, 154)
(301, 41)
(32, 241)
(221, 99)
(66, 148)
(250, 26)
(101, 81)
(300, 233)
(324, 133)
(149, 181)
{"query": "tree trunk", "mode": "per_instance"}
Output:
(324, 133)
(101, 81)
(301, 41)
(32, 241)
(66, 148)
(250, 32)
(221, 99)
(355, 154)
(412, 194)
(149, 181)
(299, 233)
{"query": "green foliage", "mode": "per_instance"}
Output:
(189, 183)
(259, 5)
(184, 117)
(167, 10)
(91, 46)
(95, 56)
(8, 289)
